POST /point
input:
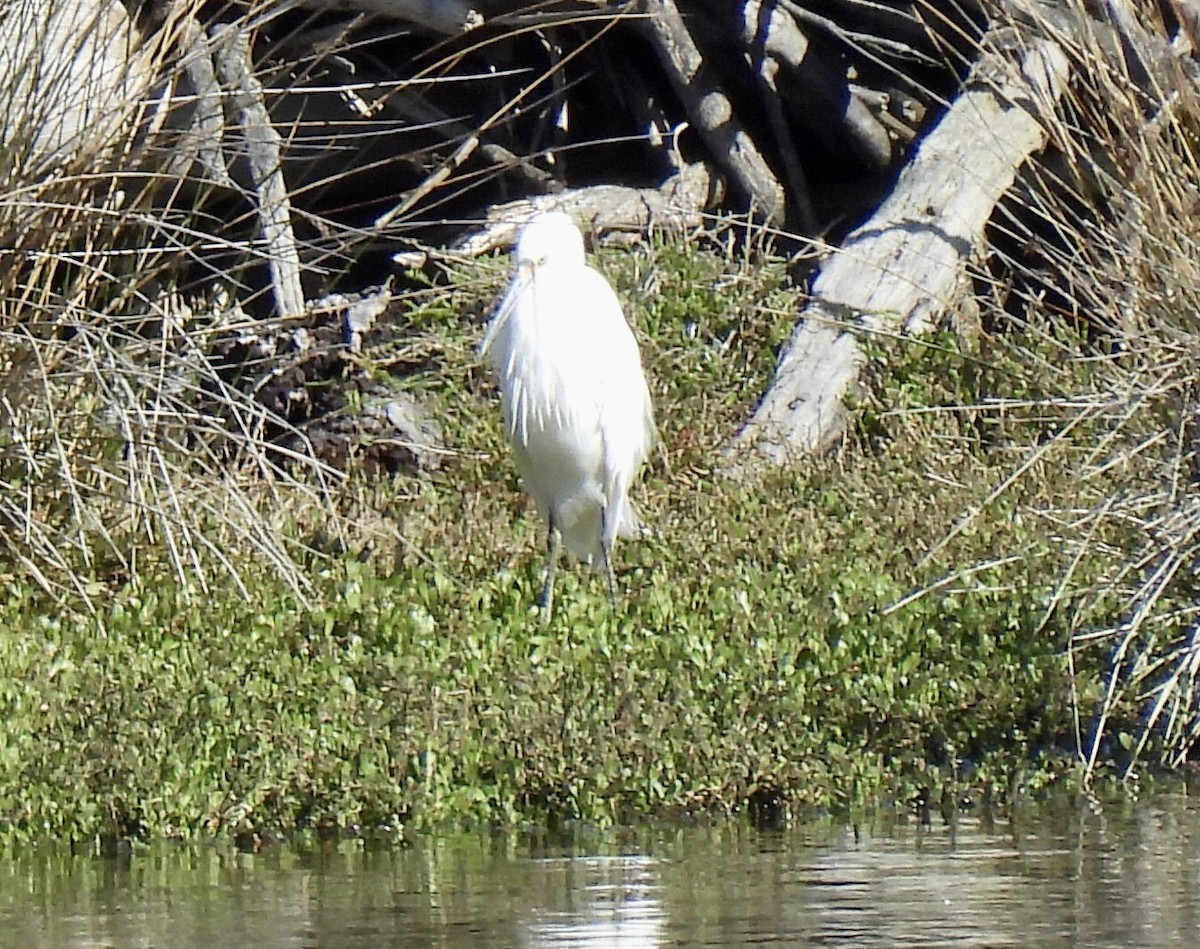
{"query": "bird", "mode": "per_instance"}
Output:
(574, 398)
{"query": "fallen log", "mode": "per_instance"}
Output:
(611, 210)
(905, 266)
(74, 82)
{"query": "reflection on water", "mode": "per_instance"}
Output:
(1126, 874)
(597, 901)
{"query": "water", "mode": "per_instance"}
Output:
(1074, 874)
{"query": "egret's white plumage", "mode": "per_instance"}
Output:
(576, 406)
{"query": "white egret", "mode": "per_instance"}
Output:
(575, 402)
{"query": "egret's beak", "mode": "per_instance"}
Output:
(524, 274)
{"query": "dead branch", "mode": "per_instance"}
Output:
(710, 111)
(677, 205)
(202, 142)
(1149, 60)
(263, 152)
(444, 17)
(781, 47)
(902, 268)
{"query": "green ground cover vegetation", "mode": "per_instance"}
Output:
(908, 611)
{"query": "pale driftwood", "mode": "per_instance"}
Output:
(711, 112)
(74, 82)
(612, 210)
(903, 268)
(775, 41)
(202, 142)
(781, 48)
(263, 153)
(1150, 60)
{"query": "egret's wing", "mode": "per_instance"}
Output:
(626, 416)
(612, 352)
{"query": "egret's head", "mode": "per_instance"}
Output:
(549, 237)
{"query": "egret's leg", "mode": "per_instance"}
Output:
(546, 600)
(606, 558)
(610, 577)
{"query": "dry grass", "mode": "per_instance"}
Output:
(124, 449)
(1105, 239)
